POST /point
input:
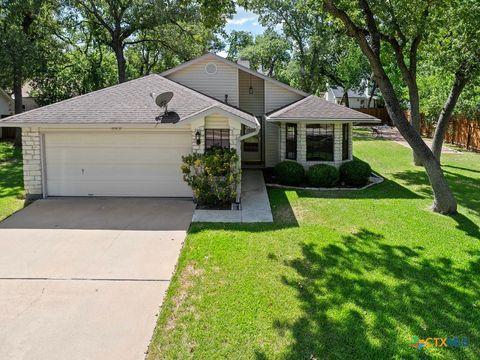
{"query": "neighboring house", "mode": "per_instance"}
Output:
(28, 101)
(356, 99)
(117, 142)
(6, 106)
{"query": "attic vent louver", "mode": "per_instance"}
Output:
(211, 68)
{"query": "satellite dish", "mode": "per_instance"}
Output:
(163, 99)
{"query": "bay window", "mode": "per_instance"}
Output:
(291, 142)
(320, 142)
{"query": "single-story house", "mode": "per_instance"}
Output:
(356, 99)
(118, 142)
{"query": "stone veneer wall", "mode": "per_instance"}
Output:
(235, 134)
(302, 145)
(32, 161)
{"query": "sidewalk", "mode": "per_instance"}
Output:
(255, 203)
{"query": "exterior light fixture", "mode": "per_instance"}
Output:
(250, 89)
(197, 137)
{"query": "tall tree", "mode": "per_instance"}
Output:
(115, 21)
(122, 23)
(23, 30)
(269, 52)
(344, 64)
(305, 31)
(373, 24)
(237, 41)
(455, 49)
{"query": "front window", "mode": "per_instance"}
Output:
(345, 133)
(291, 142)
(320, 142)
(250, 144)
(217, 138)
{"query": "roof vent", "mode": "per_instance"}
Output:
(211, 68)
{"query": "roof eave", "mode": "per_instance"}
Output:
(297, 119)
(250, 122)
(91, 125)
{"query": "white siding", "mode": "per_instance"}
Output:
(216, 121)
(252, 103)
(5, 107)
(272, 146)
(116, 163)
(224, 81)
(277, 96)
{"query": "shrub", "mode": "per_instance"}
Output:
(213, 176)
(355, 172)
(323, 175)
(289, 173)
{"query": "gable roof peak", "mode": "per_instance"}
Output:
(248, 70)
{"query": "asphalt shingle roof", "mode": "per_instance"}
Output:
(129, 102)
(315, 108)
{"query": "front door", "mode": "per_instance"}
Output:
(252, 147)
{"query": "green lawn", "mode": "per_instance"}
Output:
(11, 179)
(351, 275)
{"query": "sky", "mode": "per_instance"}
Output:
(243, 20)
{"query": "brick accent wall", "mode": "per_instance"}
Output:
(302, 145)
(32, 161)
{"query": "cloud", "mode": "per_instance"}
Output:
(222, 53)
(241, 20)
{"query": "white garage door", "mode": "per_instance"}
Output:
(116, 164)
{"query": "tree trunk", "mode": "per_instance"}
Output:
(444, 202)
(121, 63)
(415, 116)
(17, 91)
(442, 123)
(374, 88)
(346, 100)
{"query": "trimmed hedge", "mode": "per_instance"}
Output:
(323, 175)
(355, 172)
(289, 173)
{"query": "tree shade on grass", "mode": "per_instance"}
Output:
(339, 275)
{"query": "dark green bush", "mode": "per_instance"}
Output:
(213, 176)
(355, 173)
(323, 175)
(289, 173)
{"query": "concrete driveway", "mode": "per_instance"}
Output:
(83, 278)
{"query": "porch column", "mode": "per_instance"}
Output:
(337, 144)
(302, 143)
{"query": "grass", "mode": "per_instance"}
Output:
(348, 275)
(11, 179)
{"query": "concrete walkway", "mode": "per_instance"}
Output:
(83, 278)
(255, 203)
(392, 133)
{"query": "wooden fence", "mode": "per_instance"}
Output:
(461, 132)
